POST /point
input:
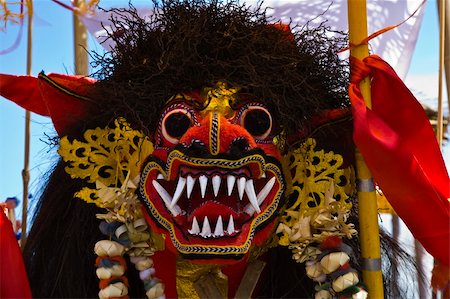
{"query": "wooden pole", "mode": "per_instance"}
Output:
(80, 44)
(442, 46)
(367, 200)
(444, 9)
(26, 171)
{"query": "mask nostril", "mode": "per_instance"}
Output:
(197, 149)
(239, 146)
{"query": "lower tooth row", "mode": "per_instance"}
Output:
(206, 228)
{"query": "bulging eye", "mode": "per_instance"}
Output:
(175, 124)
(257, 121)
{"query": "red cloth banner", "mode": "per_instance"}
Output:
(13, 277)
(399, 146)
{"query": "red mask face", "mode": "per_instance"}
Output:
(214, 183)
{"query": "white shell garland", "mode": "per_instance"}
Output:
(333, 261)
(323, 294)
(345, 281)
(107, 273)
(117, 289)
(108, 248)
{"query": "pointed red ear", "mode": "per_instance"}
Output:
(61, 97)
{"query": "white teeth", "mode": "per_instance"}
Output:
(218, 232)
(178, 191)
(263, 176)
(230, 228)
(195, 228)
(206, 229)
(249, 209)
(231, 179)
(190, 185)
(216, 180)
(175, 210)
(250, 190)
(265, 191)
(203, 182)
(241, 187)
(159, 176)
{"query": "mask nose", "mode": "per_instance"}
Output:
(219, 136)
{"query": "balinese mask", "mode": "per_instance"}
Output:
(214, 182)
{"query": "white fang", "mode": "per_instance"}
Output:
(175, 210)
(231, 179)
(206, 229)
(189, 186)
(230, 228)
(195, 229)
(218, 231)
(178, 191)
(241, 187)
(250, 190)
(160, 176)
(216, 180)
(261, 196)
(203, 182)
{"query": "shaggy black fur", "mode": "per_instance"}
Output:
(187, 45)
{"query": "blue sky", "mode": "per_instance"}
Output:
(53, 52)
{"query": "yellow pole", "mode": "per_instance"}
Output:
(444, 15)
(367, 200)
(25, 171)
(80, 44)
(440, 117)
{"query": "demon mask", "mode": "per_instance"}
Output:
(214, 182)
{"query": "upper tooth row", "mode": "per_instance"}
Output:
(206, 228)
(242, 185)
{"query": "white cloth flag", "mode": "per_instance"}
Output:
(395, 46)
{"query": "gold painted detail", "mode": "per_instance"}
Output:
(220, 99)
(200, 280)
(111, 159)
(319, 190)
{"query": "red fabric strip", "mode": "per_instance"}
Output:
(13, 277)
(399, 146)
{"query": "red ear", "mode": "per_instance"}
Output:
(61, 97)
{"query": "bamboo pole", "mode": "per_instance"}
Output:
(440, 116)
(26, 171)
(444, 8)
(80, 44)
(367, 200)
(444, 66)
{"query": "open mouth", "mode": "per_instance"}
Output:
(204, 202)
(211, 204)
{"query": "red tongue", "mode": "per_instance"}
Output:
(213, 210)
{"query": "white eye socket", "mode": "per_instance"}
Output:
(257, 121)
(175, 123)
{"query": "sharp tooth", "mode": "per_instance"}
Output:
(203, 182)
(230, 228)
(263, 176)
(231, 179)
(216, 184)
(250, 190)
(241, 187)
(218, 231)
(265, 191)
(190, 185)
(195, 228)
(160, 176)
(175, 210)
(178, 191)
(206, 229)
(261, 196)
